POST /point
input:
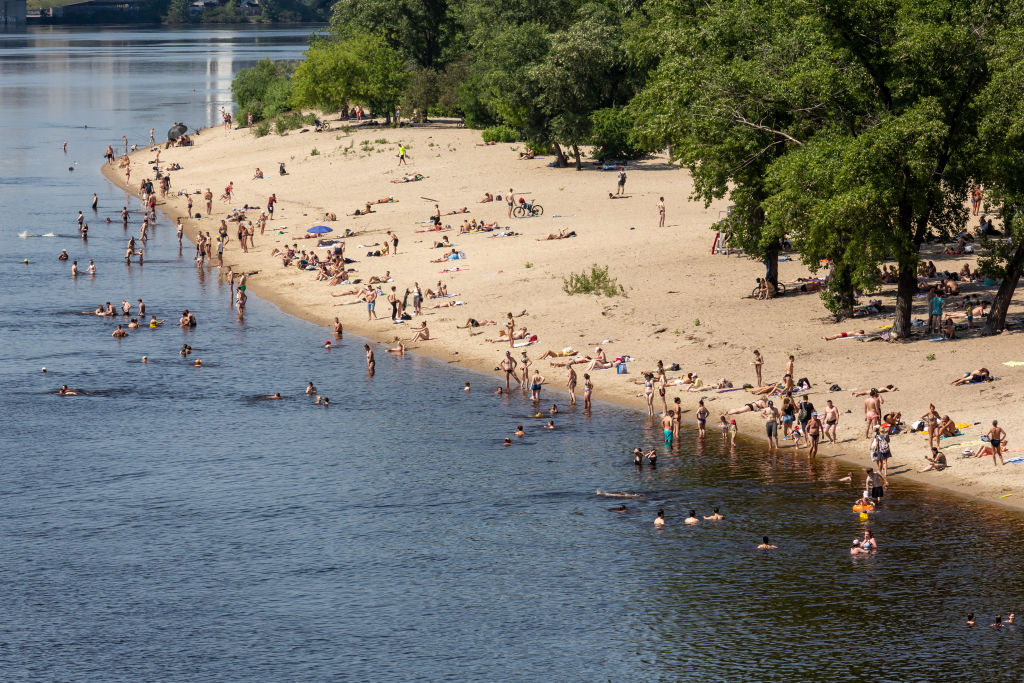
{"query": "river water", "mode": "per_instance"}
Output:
(169, 526)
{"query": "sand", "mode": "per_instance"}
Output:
(681, 304)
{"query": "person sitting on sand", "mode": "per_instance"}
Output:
(473, 322)
(560, 235)
(377, 279)
(843, 335)
(258, 175)
(421, 333)
(946, 427)
(528, 154)
(564, 353)
(398, 347)
(937, 462)
(600, 361)
(979, 375)
(488, 197)
(330, 216)
(948, 329)
(443, 244)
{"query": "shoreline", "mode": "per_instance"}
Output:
(298, 206)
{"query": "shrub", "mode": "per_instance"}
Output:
(314, 152)
(263, 90)
(262, 128)
(500, 134)
(286, 122)
(597, 281)
(612, 128)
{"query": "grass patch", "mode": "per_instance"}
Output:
(597, 281)
(314, 152)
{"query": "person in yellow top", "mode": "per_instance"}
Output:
(401, 155)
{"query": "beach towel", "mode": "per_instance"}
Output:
(457, 269)
(526, 342)
(1014, 461)
(1014, 363)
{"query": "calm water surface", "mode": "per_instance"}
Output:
(168, 526)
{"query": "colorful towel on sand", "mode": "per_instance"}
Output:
(1014, 363)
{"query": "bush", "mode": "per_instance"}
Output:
(500, 134)
(598, 281)
(262, 128)
(286, 122)
(612, 128)
(309, 119)
(264, 90)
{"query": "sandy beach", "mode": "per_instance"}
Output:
(681, 304)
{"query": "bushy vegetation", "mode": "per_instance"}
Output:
(597, 281)
(500, 134)
(263, 90)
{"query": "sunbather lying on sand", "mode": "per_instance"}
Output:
(560, 235)
(383, 200)
(453, 255)
(361, 212)
(867, 392)
(473, 322)
(448, 304)
(843, 335)
(456, 211)
(521, 333)
(758, 405)
(408, 178)
(564, 353)
(979, 375)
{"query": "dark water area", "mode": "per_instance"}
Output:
(169, 525)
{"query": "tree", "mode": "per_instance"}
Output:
(421, 30)
(177, 12)
(360, 68)
(264, 89)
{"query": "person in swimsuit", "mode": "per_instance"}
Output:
(843, 335)
(649, 392)
(571, 385)
(813, 432)
(371, 364)
(872, 412)
(979, 375)
(766, 544)
(831, 421)
(659, 521)
(588, 389)
(666, 426)
(508, 365)
(771, 424)
(702, 419)
(996, 437)
(64, 391)
(535, 385)
(931, 418)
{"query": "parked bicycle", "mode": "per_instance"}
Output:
(525, 209)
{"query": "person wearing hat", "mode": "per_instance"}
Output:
(733, 431)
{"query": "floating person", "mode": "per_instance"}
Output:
(766, 544)
(692, 518)
(716, 516)
(659, 520)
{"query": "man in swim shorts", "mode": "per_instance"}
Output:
(508, 365)
(996, 437)
(771, 424)
(666, 425)
(370, 297)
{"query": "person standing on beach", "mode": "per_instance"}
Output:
(881, 451)
(996, 438)
(401, 155)
(621, 187)
(771, 424)
(508, 365)
(661, 212)
(511, 202)
(831, 421)
(370, 297)
(872, 412)
(702, 420)
(758, 362)
(208, 197)
(510, 329)
(271, 200)
(571, 385)
(417, 298)
(394, 242)
(813, 431)
(393, 300)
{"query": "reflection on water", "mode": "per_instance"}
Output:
(167, 525)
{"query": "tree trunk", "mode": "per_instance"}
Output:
(560, 160)
(905, 291)
(576, 153)
(996, 320)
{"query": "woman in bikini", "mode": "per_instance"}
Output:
(649, 392)
(588, 388)
(571, 385)
(702, 419)
(757, 406)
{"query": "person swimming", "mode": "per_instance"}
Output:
(271, 397)
(620, 509)
(716, 515)
(766, 544)
(519, 431)
(659, 520)
(64, 391)
(310, 389)
(692, 518)
(508, 441)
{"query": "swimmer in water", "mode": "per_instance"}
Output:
(499, 391)
(133, 324)
(766, 544)
(970, 619)
(153, 322)
(64, 391)
(519, 431)
(144, 360)
(716, 515)
(319, 400)
(616, 495)
(659, 520)
(185, 350)
(198, 363)
(1011, 619)
(692, 518)
(327, 402)
(554, 409)
(398, 347)
(466, 388)
(508, 441)
(119, 332)
(998, 623)
(271, 397)
(620, 509)
(310, 389)
(550, 425)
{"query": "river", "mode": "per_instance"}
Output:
(168, 525)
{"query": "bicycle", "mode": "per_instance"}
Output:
(528, 209)
(780, 290)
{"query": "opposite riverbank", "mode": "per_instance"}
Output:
(681, 304)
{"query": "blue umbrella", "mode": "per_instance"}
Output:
(319, 229)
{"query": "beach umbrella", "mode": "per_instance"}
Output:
(319, 229)
(176, 131)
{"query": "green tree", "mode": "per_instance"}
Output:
(177, 12)
(264, 89)
(421, 30)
